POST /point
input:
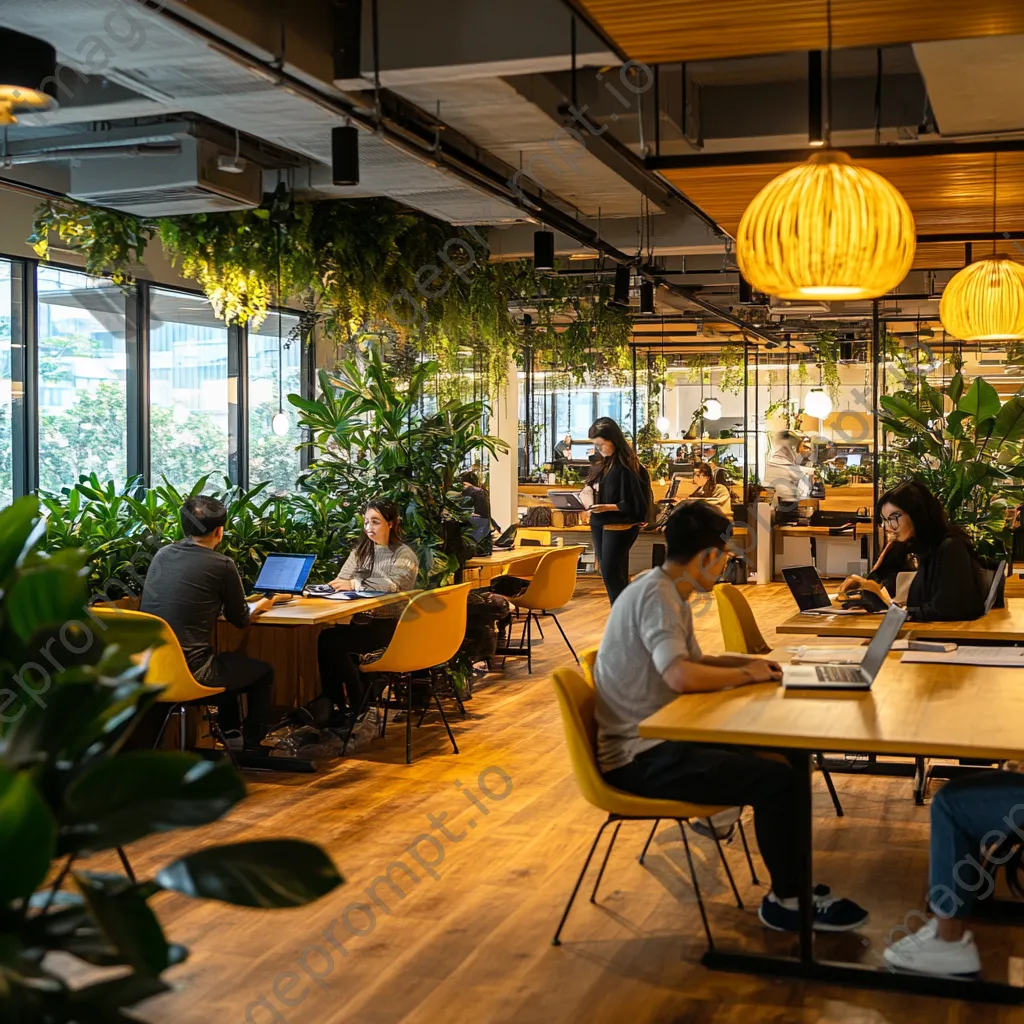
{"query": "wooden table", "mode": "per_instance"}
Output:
(1004, 625)
(486, 567)
(927, 710)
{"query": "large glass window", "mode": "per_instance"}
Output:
(83, 415)
(6, 439)
(274, 373)
(190, 400)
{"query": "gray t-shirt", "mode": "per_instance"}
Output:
(649, 627)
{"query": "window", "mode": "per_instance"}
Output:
(6, 377)
(190, 404)
(273, 376)
(83, 416)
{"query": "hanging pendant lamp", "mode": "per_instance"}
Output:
(985, 300)
(818, 403)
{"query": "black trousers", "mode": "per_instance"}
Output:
(612, 550)
(712, 775)
(239, 674)
(339, 667)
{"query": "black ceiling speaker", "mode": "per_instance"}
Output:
(623, 274)
(27, 79)
(647, 298)
(345, 156)
(543, 250)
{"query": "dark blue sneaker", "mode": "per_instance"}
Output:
(831, 914)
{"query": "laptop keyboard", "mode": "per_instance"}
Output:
(839, 674)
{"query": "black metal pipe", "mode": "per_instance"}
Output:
(876, 347)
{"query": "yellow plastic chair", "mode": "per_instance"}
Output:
(741, 636)
(167, 667)
(428, 635)
(552, 586)
(588, 658)
(576, 700)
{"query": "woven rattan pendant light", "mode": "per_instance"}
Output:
(985, 300)
(827, 229)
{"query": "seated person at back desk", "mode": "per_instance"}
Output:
(948, 586)
(189, 585)
(649, 656)
(481, 499)
(563, 450)
(379, 562)
(707, 490)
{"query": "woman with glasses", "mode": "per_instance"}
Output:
(706, 489)
(948, 586)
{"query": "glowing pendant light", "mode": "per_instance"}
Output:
(662, 424)
(712, 409)
(817, 404)
(985, 300)
(827, 229)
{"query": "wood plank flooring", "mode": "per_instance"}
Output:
(464, 933)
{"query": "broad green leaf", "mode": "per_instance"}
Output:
(28, 837)
(954, 423)
(265, 874)
(1009, 422)
(16, 527)
(980, 401)
(47, 595)
(903, 409)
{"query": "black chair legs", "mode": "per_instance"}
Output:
(604, 863)
(831, 786)
(556, 941)
(654, 828)
(696, 887)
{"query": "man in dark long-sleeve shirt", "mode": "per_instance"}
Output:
(189, 585)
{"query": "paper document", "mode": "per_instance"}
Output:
(834, 611)
(1001, 657)
(828, 655)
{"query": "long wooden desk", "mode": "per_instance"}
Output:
(1004, 625)
(485, 567)
(936, 710)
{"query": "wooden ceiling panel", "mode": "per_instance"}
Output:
(663, 31)
(948, 194)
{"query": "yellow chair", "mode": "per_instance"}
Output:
(552, 586)
(741, 636)
(167, 667)
(428, 635)
(576, 700)
(588, 658)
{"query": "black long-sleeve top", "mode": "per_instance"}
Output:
(625, 489)
(948, 586)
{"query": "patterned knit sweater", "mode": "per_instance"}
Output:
(394, 569)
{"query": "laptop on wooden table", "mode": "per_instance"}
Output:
(809, 592)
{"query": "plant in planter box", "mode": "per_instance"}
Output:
(68, 790)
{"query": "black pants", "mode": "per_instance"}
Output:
(339, 668)
(239, 674)
(711, 775)
(612, 550)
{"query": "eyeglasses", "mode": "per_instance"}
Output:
(893, 522)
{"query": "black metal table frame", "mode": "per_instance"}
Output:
(806, 966)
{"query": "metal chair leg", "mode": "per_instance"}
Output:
(182, 739)
(163, 728)
(389, 692)
(444, 718)
(746, 850)
(529, 644)
(576, 888)
(831, 786)
(408, 721)
(124, 862)
(536, 619)
(725, 863)
(604, 863)
(564, 637)
(654, 828)
(352, 724)
(218, 734)
(696, 887)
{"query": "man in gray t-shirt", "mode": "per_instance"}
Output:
(648, 657)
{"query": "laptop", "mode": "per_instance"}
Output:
(507, 540)
(993, 589)
(806, 587)
(568, 501)
(838, 676)
(284, 574)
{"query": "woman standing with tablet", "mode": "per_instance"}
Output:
(621, 494)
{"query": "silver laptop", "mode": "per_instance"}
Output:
(993, 584)
(849, 677)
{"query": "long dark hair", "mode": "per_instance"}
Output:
(607, 429)
(708, 489)
(364, 549)
(931, 525)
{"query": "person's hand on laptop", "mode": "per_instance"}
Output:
(860, 583)
(763, 670)
(340, 584)
(264, 604)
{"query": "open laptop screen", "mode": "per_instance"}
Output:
(285, 574)
(806, 587)
(882, 641)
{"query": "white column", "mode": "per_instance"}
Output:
(504, 481)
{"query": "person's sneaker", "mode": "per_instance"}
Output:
(724, 823)
(233, 739)
(925, 953)
(831, 913)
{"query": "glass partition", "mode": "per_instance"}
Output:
(6, 378)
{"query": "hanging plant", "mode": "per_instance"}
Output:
(731, 379)
(828, 360)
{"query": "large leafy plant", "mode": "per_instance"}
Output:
(965, 446)
(69, 790)
(376, 438)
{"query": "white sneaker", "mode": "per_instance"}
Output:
(926, 953)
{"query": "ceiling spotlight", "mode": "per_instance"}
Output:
(543, 250)
(27, 63)
(647, 298)
(345, 156)
(712, 409)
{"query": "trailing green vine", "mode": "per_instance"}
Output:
(828, 360)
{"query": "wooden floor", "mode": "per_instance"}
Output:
(470, 940)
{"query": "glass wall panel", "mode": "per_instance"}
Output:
(190, 399)
(273, 375)
(6, 446)
(83, 416)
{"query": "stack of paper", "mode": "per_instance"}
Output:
(1000, 657)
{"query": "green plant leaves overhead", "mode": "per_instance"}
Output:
(980, 401)
(901, 407)
(264, 874)
(1009, 424)
(48, 595)
(136, 794)
(28, 837)
(15, 530)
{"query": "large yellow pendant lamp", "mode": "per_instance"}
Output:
(827, 229)
(985, 300)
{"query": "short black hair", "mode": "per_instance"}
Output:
(693, 527)
(201, 515)
(470, 478)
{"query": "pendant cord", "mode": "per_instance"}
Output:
(828, 72)
(995, 186)
(280, 345)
